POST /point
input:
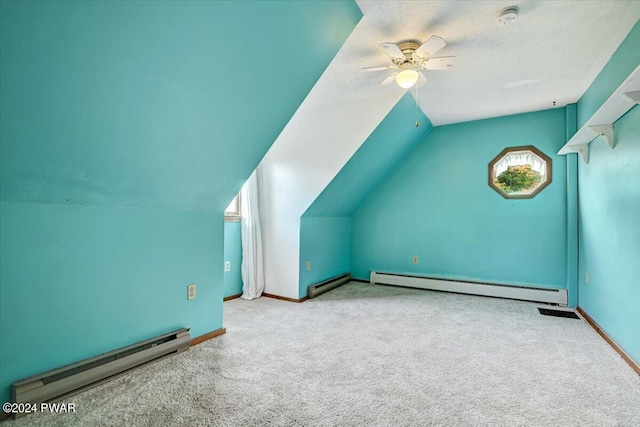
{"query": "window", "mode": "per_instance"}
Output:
(233, 213)
(520, 172)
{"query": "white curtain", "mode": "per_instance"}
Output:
(252, 267)
(524, 157)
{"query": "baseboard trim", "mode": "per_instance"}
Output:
(197, 340)
(284, 298)
(634, 365)
(5, 416)
(205, 337)
(230, 297)
(327, 285)
(463, 286)
(360, 280)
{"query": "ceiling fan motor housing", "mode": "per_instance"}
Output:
(408, 48)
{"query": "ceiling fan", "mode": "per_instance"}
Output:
(409, 58)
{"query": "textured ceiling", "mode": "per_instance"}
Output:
(552, 52)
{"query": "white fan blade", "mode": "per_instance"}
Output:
(382, 67)
(422, 79)
(441, 63)
(392, 50)
(388, 80)
(430, 47)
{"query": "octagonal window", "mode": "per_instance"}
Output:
(520, 172)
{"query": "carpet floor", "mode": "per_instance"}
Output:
(380, 356)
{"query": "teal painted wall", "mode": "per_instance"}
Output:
(326, 242)
(387, 146)
(609, 204)
(126, 129)
(610, 234)
(233, 253)
(325, 228)
(78, 281)
(438, 206)
(148, 104)
(572, 210)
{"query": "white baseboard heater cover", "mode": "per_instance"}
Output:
(322, 287)
(554, 296)
(71, 379)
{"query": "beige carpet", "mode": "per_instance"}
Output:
(375, 355)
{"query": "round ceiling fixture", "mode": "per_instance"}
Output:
(507, 15)
(407, 78)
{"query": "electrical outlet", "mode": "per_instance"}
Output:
(191, 291)
(308, 265)
(586, 278)
(227, 266)
(415, 259)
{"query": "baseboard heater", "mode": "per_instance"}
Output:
(322, 287)
(63, 382)
(553, 296)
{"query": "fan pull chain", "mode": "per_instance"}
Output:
(417, 123)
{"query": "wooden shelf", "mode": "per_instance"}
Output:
(601, 123)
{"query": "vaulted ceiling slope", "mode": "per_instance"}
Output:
(551, 53)
(386, 147)
(166, 105)
(622, 63)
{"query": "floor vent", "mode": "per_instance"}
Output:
(66, 381)
(322, 287)
(525, 293)
(558, 313)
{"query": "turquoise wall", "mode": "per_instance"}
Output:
(325, 228)
(78, 281)
(609, 203)
(326, 242)
(126, 129)
(572, 210)
(149, 104)
(610, 234)
(438, 206)
(233, 253)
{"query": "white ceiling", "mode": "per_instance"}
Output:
(552, 52)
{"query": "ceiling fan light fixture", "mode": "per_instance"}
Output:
(407, 78)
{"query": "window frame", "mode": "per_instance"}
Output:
(234, 216)
(503, 153)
